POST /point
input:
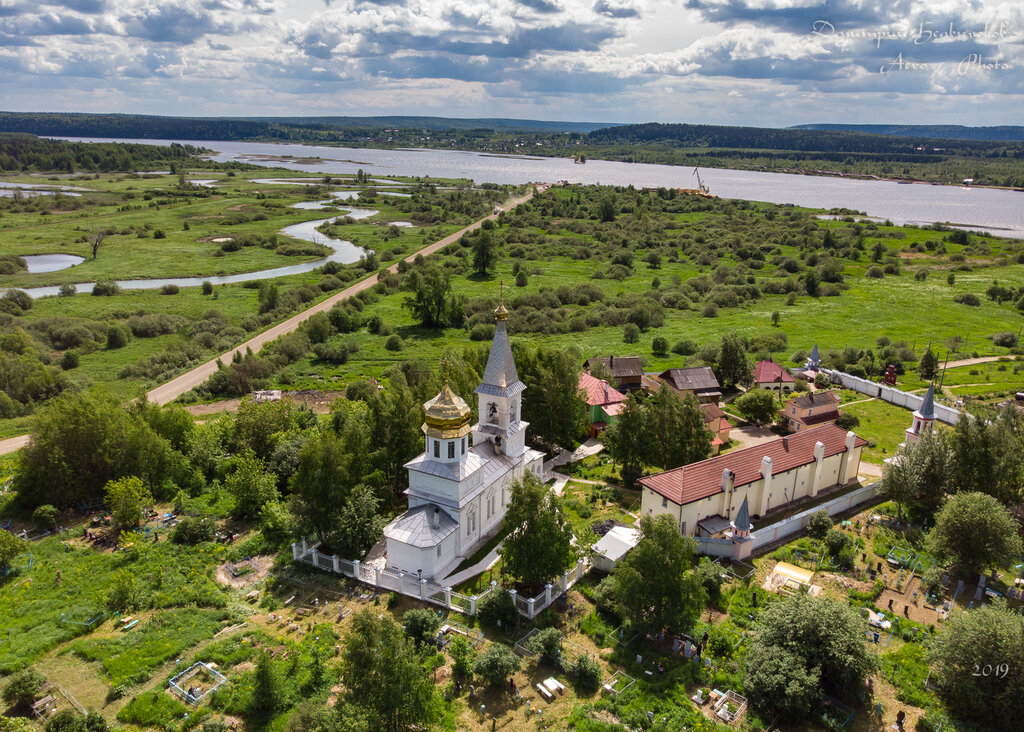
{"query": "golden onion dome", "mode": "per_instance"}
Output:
(447, 415)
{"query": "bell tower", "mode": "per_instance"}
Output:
(500, 395)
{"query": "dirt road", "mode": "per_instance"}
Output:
(176, 387)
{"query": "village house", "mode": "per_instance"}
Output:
(604, 402)
(770, 375)
(697, 380)
(626, 371)
(717, 423)
(810, 410)
(703, 498)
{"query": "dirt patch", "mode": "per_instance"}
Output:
(319, 401)
(240, 207)
(260, 569)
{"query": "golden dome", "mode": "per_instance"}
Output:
(501, 312)
(447, 416)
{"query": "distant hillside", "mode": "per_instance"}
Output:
(298, 129)
(1006, 133)
(498, 124)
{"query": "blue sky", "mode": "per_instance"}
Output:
(753, 62)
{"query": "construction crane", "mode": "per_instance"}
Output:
(700, 183)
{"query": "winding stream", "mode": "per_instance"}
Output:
(344, 252)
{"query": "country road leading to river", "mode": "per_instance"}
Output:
(176, 387)
(180, 385)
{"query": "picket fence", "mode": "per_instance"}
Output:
(412, 585)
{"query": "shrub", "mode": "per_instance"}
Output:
(967, 298)
(105, 288)
(66, 290)
(931, 580)
(875, 272)
(835, 541)
(20, 298)
(421, 625)
(496, 664)
(69, 360)
(169, 289)
(585, 673)
(710, 310)
(847, 421)
(498, 609)
(630, 333)
(45, 516)
(22, 688)
(117, 336)
(521, 278)
(818, 524)
(463, 655)
(192, 530)
(394, 343)
(482, 332)
(1006, 338)
(548, 644)
(207, 287)
(659, 346)
(685, 347)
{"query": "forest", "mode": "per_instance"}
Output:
(814, 151)
(26, 152)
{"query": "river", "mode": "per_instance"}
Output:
(998, 211)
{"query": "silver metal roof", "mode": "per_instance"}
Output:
(456, 471)
(500, 376)
(415, 527)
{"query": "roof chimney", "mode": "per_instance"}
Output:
(785, 443)
(437, 517)
(605, 391)
(727, 480)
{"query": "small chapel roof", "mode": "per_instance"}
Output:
(742, 522)
(927, 408)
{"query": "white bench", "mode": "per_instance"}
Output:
(544, 692)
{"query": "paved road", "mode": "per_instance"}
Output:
(176, 387)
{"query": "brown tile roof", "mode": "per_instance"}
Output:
(620, 365)
(696, 378)
(598, 391)
(815, 399)
(817, 418)
(711, 411)
(766, 371)
(697, 481)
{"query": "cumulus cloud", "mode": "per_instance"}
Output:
(617, 58)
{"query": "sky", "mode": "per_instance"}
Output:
(748, 62)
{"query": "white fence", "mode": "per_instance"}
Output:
(892, 395)
(412, 586)
(766, 535)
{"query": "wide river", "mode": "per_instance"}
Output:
(998, 211)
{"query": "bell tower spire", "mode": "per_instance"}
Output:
(500, 393)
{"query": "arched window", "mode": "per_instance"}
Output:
(492, 412)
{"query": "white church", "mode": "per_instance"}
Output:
(458, 491)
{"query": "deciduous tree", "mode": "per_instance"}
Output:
(805, 647)
(758, 405)
(126, 498)
(976, 664)
(975, 532)
(382, 674)
(539, 545)
(251, 486)
(654, 586)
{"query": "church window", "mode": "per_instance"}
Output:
(492, 413)
(512, 413)
(451, 449)
(437, 448)
(439, 550)
(463, 445)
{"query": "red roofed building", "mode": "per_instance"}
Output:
(703, 497)
(715, 420)
(604, 400)
(770, 375)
